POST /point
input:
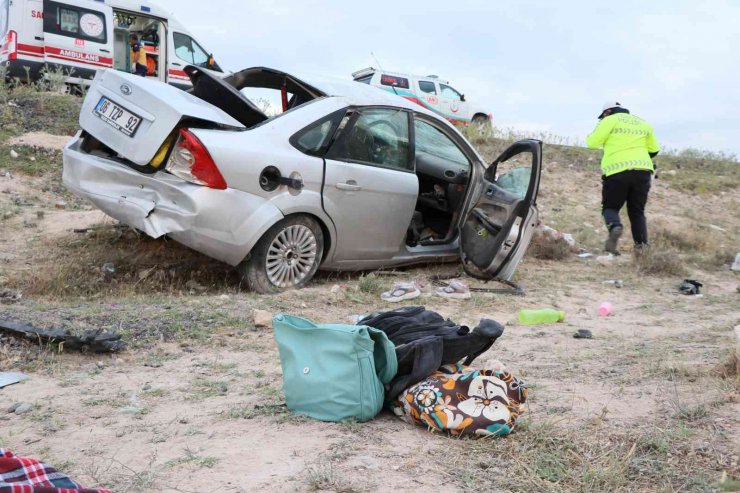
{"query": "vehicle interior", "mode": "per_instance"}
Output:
(444, 174)
(151, 35)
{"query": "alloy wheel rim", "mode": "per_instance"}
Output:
(291, 256)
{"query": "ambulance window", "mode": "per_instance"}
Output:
(449, 93)
(427, 87)
(4, 14)
(366, 79)
(75, 22)
(188, 50)
(392, 80)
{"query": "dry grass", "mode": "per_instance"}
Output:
(545, 248)
(140, 265)
(659, 261)
(550, 457)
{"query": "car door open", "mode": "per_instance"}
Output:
(500, 220)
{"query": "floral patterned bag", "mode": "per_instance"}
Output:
(463, 401)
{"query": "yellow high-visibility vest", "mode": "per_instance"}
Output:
(627, 140)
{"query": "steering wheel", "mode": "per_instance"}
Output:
(381, 150)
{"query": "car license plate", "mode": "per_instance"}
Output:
(117, 117)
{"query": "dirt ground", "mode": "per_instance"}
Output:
(195, 404)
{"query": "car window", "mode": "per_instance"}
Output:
(378, 137)
(74, 22)
(315, 139)
(431, 140)
(517, 180)
(449, 93)
(427, 87)
(189, 51)
(4, 15)
(366, 79)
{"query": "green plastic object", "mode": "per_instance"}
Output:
(541, 316)
(333, 372)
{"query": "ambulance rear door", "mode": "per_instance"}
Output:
(78, 34)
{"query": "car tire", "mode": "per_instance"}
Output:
(286, 257)
(483, 125)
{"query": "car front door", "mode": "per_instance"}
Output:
(503, 213)
(78, 33)
(428, 92)
(453, 105)
(370, 188)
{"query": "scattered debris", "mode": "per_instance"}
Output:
(513, 289)
(585, 255)
(455, 290)
(717, 228)
(556, 235)
(20, 408)
(541, 316)
(8, 378)
(691, 287)
(606, 259)
(402, 291)
(262, 318)
(14, 154)
(96, 341)
(583, 334)
(108, 270)
(118, 226)
(617, 283)
(193, 286)
(736, 264)
(8, 296)
(605, 309)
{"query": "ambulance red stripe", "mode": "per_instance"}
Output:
(76, 56)
(31, 48)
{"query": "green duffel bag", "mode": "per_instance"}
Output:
(333, 372)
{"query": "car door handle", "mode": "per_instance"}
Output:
(38, 38)
(350, 186)
(176, 64)
(104, 50)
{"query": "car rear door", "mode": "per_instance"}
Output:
(502, 214)
(370, 188)
(78, 33)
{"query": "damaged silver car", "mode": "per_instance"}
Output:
(347, 177)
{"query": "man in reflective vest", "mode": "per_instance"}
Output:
(138, 56)
(626, 168)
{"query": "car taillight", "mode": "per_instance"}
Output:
(191, 161)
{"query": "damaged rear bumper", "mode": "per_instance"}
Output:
(223, 224)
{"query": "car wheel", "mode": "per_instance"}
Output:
(286, 257)
(483, 125)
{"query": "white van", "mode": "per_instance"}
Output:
(83, 36)
(430, 92)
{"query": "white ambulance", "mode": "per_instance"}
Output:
(431, 92)
(82, 36)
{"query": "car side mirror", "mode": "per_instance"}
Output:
(211, 61)
(462, 98)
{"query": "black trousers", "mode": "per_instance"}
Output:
(631, 186)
